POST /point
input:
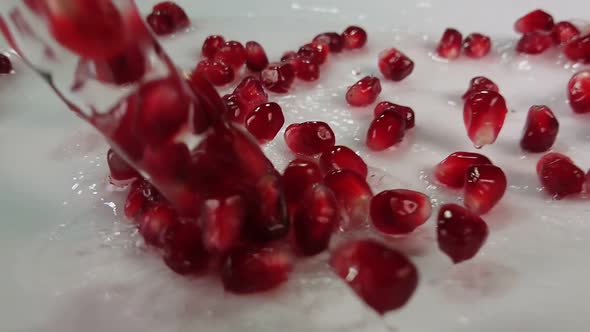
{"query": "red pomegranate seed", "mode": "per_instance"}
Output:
(253, 270)
(299, 176)
(394, 65)
(354, 37)
(306, 69)
(124, 68)
(537, 20)
(232, 53)
(256, 59)
(161, 23)
(353, 195)
(484, 187)
(364, 92)
(449, 46)
(477, 45)
(5, 64)
(265, 121)
(167, 161)
(315, 220)
(383, 278)
(269, 218)
(578, 90)
(248, 95)
(316, 52)
(184, 252)
(460, 233)
(578, 49)
(211, 45)
(534, 43)
(175, 12)
(332, 39)
(540, 129)
(451, 171)
(399, 211)
(155, 223)
(559, 175)
(480, 83)
(406, 112)
(120, 169)
(232, 108)
(278, 77)
(484, 113)
(288, 56)
(341, 157)
(142, 195)
(386, 130)
(222, 222)
(309, 138)
(564, 32)
(217, 72)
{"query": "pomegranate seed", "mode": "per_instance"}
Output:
(256, 59)
(269, 218)
(288, 56)
(564, 32)
(534, 43)
(167, 161)
(394, 65)
(217, 72)
(316, 218)
(184, 252)
(364, 92)
(124, 68)
(265, 121)
(299, 176)
(278, 77)
(480, 83)
(254, 270)
(316, 52)
(221, 222)
(578, 90)
(232, 53)
(175, 12)
(385, 131)
(233, 112)
(484, 187)
(449, 46)
(406, 112)
(332, 39)
(309, 138)
(142, 195)
(399, 211)
(559, 175)
(248, 95)
(383, 278)
(484, 113)
(306, 69)
(540, 129)
(341, 157)
(477, 45)
(353, 194)
(537, 20)
(120, 169)
(460, 233)
(578, 49)
(451, 171)
(155, 223)
(354, 37)
(211, 45)
(5, 64)
(160, 23)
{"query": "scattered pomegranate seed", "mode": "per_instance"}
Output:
(299, 176)
(217, 72)
(386, 130)
(232, 53)
(127, 67)
(450, 43)
(278, 77)
(480, 83)
(394, 65)
(288, 56)
(534, 43)
(383, 278)
(341, 157)
(306, 69)
(578, 90)
(155, 223)
(477, 45)
(309, 138)
(364, 92)
(265, 121)
(315, 220)
(142, 195)
(354, 37)
(578, 49)
(175, 12)
(451, 171)
(249, 94)
(540, 129)
(166, 161)
(399, 211)
(253, 270)
(5, 64)
(484, 188)
(316, 52)
(537, 20)
(484, 113)
(406, 112)
(564, 32)
(256, 59)
(120, 169)
(353, 194)
(211, 45)
(559, 175)
(222, 222)
(184, 252)
(160, 23)
(460, 233)
(269, 219)
(332, 39)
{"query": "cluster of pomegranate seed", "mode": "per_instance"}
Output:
(5, 64)
(167, 17)
(475, 45)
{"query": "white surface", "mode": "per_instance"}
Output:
(68, 264)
